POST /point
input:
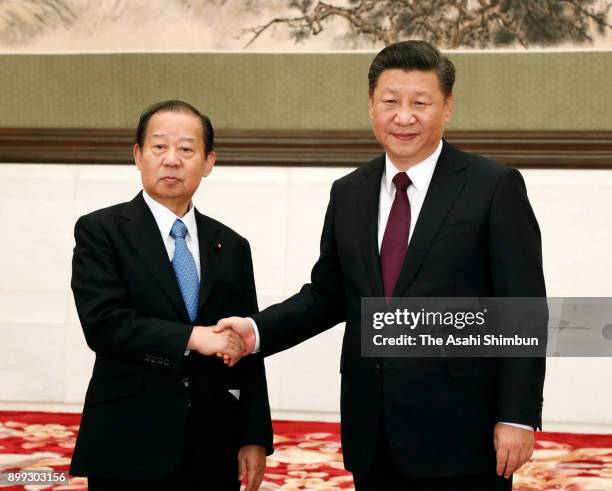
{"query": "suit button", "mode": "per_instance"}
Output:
(186, 381)
(377, 368)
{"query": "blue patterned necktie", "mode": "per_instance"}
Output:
(185, 269)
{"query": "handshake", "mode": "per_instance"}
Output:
(231, 339)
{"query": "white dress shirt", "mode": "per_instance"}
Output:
(165, 218)
(420, 175)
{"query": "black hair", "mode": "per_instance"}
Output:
(413, 55)
(208, 134)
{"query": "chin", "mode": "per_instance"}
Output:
(405, 155)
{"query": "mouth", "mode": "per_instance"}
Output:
(170, 180)
(405, 136)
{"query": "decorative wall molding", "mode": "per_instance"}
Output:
(300, 148)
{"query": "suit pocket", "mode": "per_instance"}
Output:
(459, 227)
(108, 389)
(457, 221)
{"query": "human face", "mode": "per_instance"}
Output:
(172, 161)
(408, 113)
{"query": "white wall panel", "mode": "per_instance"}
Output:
(254, 203)
(36, 213)
(574, 210)
(31, 361)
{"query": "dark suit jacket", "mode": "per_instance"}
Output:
(476, 236)
(145, 395)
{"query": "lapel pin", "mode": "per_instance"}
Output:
(218, 246)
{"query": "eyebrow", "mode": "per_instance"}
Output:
(184, 138)
(416, 94)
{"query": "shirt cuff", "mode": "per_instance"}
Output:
(516, 425)
(257, 341)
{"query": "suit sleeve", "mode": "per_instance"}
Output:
(255, 407)
(515, 251)
(111, 326)
(318, 306)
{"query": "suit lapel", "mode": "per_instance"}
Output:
(140, 228)
(369, 201)
(446, 184)
(210, 248)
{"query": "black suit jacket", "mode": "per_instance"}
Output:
(145, 395)
(476, 236)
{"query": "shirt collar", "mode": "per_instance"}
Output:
(165, 218)
(420, 174)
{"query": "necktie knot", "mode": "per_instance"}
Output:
(401, 181)
(179, 229)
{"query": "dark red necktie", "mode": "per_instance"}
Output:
(395, 240)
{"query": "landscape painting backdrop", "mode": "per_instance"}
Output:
(64, 26)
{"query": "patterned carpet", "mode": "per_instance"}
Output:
(307, 457)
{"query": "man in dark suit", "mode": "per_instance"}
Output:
(161, 410)
(424, 220)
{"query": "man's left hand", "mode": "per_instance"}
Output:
(514, 447)
(251, 466)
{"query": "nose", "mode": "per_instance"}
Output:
(171, 158)
(404, 116)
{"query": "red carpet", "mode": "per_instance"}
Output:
(307, 457)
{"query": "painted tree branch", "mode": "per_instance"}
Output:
(21, 21)
(452, 23)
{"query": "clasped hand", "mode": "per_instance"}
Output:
(231, 339)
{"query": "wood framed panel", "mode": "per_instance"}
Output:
(308, 148)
